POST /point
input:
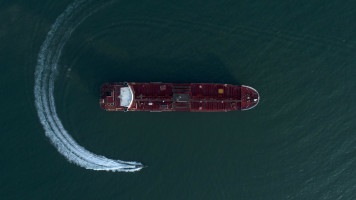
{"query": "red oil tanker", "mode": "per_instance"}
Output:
(161, 97)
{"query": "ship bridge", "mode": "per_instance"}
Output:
(126, 96)
(116, 96)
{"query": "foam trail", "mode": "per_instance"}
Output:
(45, 74)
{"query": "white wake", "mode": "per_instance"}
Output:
(45, 74)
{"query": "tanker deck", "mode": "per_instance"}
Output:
(163, 97)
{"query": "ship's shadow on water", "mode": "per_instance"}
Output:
(209, 69)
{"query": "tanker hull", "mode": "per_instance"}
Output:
(164, 97)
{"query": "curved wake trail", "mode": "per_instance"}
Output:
(45, 74)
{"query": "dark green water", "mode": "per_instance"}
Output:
(298, 143)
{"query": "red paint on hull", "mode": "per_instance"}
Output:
(197, 97)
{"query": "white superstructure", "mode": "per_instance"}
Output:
(126, 96)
